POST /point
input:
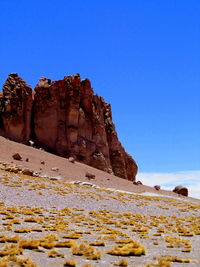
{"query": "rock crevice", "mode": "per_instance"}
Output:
(66, 118)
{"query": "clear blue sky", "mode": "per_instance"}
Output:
(142, 56)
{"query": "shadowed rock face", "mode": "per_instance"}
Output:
(67, 119)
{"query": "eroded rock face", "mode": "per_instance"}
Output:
(67, 119)
(16, 109)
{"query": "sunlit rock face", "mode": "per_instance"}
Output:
(66, 118)
(16, 109)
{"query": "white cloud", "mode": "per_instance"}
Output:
(190, 179)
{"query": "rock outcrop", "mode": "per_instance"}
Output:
(16, 109)
(64, 117)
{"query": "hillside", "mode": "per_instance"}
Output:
(53, 220)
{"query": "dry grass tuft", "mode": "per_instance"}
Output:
(54, 254)
(130, 249)
(65, 244)
(98, 243)
(173, 259)
(70, 263)
(83, 249)
(3, 263)
(10, 250)
(122, 262)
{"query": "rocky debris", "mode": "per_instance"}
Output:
(16, 109)
(89, 175)
(71, 159)
(66, 118)
(181, 190)
(27, 160)
(55, 169)
(27, 172)
(137, 182)
(17, 156)
(157, 187)
(42, 162)
(15, 169)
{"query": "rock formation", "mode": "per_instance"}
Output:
(15, 109)
(64, 117)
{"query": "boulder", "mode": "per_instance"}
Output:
(157, 187)
(181, 190)
(17, 156)
(137, 182)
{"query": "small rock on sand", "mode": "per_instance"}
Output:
(27, 172)
(71, 159)
(55, 169)
(17, 156)
(137, 183)
(89, 175)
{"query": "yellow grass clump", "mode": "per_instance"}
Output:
(70, 263)
(174, 259)
(3, 263)
(65, 244)
(98, 243)
(72, 236)
(160, 263)
(10, 250)
(23, 261)
(121, 262)
(83, 249)
(12, 239)
(29, 244)
(22, 230)
(31, 219)
(130, 249)
(54, 253)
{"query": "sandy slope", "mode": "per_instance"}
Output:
(67, 170)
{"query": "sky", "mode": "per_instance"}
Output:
(142, 56)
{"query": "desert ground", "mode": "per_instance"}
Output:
(51, 214)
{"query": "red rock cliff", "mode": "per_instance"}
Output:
(67, 119)
(16, 109)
